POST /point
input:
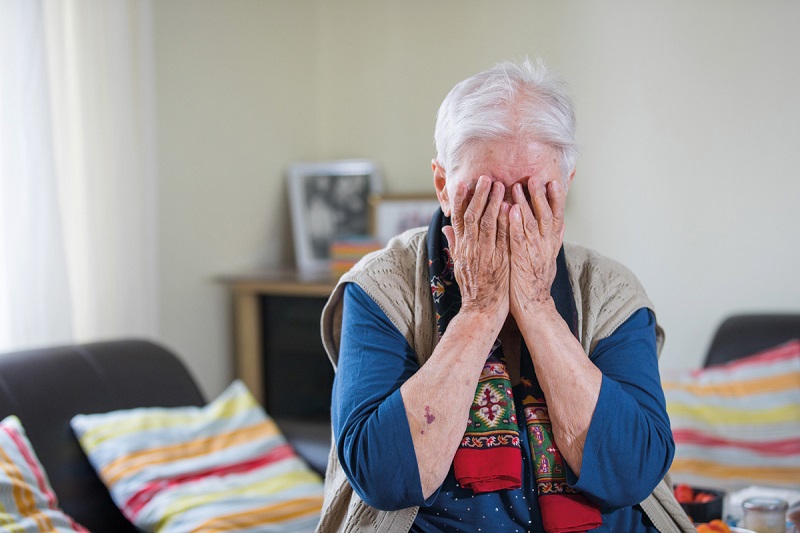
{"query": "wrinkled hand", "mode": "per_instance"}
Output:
(478, 241)
(535, 240)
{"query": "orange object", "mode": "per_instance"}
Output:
(703, 497)
(684, 493)
(715, 526)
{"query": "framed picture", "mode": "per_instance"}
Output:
(329, 201)
(391, 215)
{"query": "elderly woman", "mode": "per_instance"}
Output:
(489, 377)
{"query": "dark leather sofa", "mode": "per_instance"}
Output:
(45, 388)
(744, 334)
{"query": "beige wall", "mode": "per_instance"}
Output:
(687, 112)
(236, 102)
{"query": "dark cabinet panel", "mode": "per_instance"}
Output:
(297, 375)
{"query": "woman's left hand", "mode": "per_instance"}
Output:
(569, 379)
(535, 239)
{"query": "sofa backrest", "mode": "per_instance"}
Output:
(745, 334)
(45, 388)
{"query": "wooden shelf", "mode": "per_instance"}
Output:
(248, 289)
(282, 282)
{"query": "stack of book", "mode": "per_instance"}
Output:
(346, 252)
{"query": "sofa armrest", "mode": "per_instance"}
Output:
(45, 388)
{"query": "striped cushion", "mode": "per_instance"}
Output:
(738, 424)
(27, 502)
(222, 467)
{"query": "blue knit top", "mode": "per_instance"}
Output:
(628, 446)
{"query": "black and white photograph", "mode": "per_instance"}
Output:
(329, 201)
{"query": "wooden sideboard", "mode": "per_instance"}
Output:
(276, 325)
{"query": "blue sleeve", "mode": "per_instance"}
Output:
(369, 419)
(629, 445)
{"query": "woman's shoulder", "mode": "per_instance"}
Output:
(587, 265)
(400, 257)
(606, 292)
(396, 279)
(393, 273)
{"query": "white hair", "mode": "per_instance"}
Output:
(508, 101)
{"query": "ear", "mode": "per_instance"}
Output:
(440, 183)
(570, 178)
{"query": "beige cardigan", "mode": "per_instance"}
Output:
(396, 278)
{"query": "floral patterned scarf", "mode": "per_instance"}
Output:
(489, 457)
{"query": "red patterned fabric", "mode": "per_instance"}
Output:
(564, 509)
(568, 513)
(489, 456)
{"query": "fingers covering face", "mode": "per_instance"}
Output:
(458, 209)
(543, 216)
(473, 214)
(541, 209)
(502, 245)
(477, 217)
(490, 221)
(556, 198)
(487, 218)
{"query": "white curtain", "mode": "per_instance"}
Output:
(78, 234)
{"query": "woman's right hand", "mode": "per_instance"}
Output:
(478, 242)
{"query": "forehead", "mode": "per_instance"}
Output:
(508, 160)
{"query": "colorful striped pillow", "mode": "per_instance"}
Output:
(222, 467)
(738, 424)
(27, 502)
